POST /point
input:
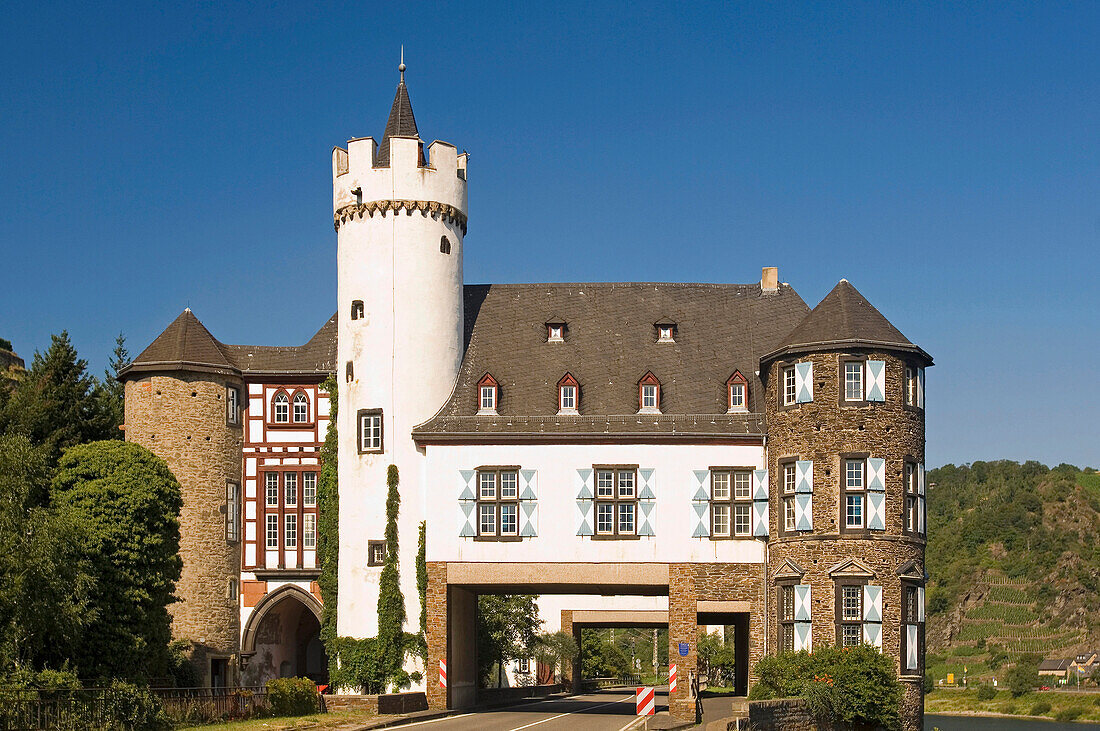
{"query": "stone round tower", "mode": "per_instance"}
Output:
(845, 414)
(400, 218)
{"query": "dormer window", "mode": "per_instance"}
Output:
(555, 330)
(737, 391)
(666, 331)
(568, 395)
(357, 310)
(649, 394)
(487, 395)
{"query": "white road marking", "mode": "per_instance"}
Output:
(435, 720)
(570, 713)
(633, 723)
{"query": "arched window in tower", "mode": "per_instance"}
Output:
(280, 408)
(357, 310)
(444, 245)
(301, 408)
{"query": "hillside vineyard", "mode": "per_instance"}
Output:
(685, 455)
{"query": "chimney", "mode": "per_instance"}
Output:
(769, 280)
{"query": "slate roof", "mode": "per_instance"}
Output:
(186, 344)
(401, 123)
(844, 317)
(1055, 665)
(610, 344)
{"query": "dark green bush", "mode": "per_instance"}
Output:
(131, 708)
(853, 685)
(1068, 714)
(1041, 708)
(292, 696)
(986, 692)
(1023, 678)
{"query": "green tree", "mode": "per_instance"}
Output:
(506, 627)
(55, 405)
(1023, 678)
(555, 649)
(328, 527)
(45, 584)
(600, 658)
(130, 503)
(422, 588)
(111, 392)
(391, 602)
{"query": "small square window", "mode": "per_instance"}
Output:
(664, 334)
(370, 430)
(376, 553)
(554, 333)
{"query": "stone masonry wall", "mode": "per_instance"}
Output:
(731, 582)
(822, 431)
(436, 599)
(181, 417)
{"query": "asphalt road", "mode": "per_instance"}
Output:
(606, 710)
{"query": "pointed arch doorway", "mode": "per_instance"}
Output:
(282, 638)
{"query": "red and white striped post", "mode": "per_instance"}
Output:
(671, 679)
(645, 702)
(442, 673)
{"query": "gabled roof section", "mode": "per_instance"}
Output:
(844, 318)
(723, 327)
(401, 123)
(851, 567)
(186, 345)
(789, 570)
(912, 570)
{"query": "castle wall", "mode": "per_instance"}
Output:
(181, 417)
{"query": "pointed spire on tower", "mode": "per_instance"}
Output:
(401, 122)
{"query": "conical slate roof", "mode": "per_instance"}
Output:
(844, 317)
(186, 345)
(401, 124)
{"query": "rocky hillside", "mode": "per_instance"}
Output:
(11, 365)
(1014, 560)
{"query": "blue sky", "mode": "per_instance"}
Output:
(942, 157)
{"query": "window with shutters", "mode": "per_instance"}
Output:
(853, 492)
(790, 390)
(853, 381)
(616, 501)
(788, 522)
(498, 503)
(370, 430)
(289, 516)
(911, 617)
(785, 606)
(849, 613)
(912, 500)
(730, 502)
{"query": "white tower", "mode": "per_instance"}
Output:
(400, 219)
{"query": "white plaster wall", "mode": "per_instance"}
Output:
(406, 351)
(673, 483)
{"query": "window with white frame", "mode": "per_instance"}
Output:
(789, 478)
(289, 515)
(273, 531)
(616, 501)
(853, 380)
(488, 398)
(555, 332)
(731, 502)
(664, 334)
(488, 395)
(649, 396)
(271, 489)
(291, 533)
(232, 512)
(737, 391)
(301, 408)
(309, 489)
(370, 430)
(568, 398)
(498, 502)
(789, 390)
(290, 489)
(280, 408)
(854, 495)
(912, 615)
(233, 405)
(309, 530)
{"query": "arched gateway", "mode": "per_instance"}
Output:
(282, 638)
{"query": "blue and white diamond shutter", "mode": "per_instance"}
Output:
(872, 615)
(760, 503)
(467, 502)
(911, 647)
(804, 382)
(584, 502)
(528, 503)
(802, 625)
(700, 504)
(647, 501)
(876, 380)
(876, 495)
(803, 499)
(920, 388)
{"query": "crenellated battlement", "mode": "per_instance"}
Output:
(360, 185)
